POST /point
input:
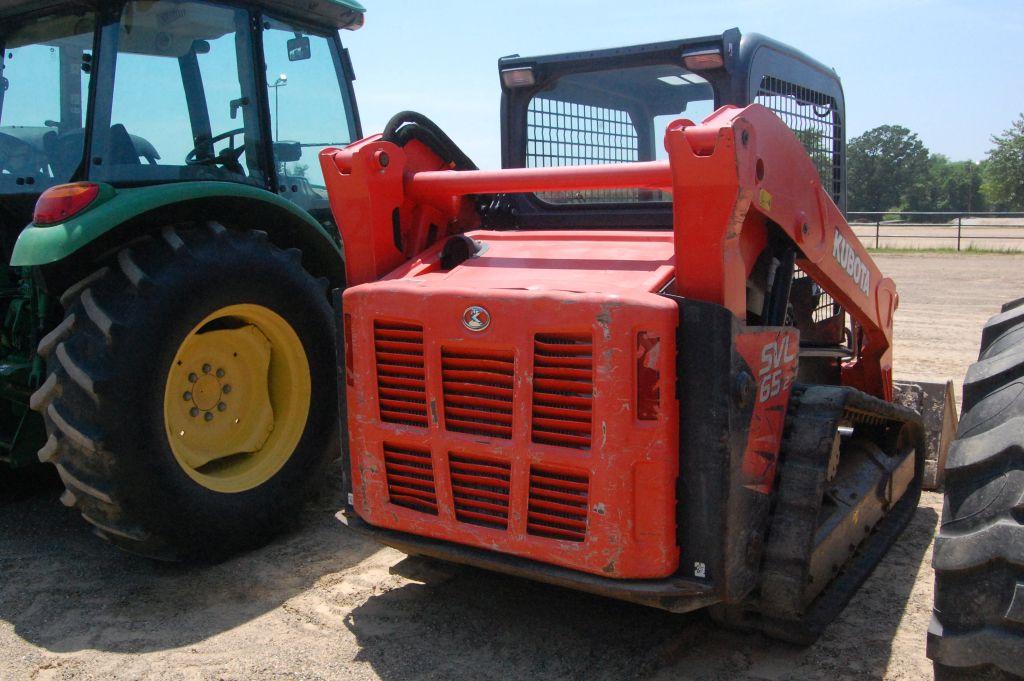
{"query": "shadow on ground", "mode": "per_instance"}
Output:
(65, 590)
(463, 622)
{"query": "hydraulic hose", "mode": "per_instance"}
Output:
(409, 125)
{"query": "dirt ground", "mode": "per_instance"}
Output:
(322, 603)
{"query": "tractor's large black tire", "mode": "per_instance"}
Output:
(103, 397)
(977, 629)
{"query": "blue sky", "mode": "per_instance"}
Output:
(951, 71)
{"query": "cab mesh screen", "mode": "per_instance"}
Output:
(560, 133)
(815, 119)
(566, 134)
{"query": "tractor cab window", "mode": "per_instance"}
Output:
(182, 102)
(309, 110)
(45, 68)
(614, 116)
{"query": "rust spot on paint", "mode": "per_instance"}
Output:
(604, 320)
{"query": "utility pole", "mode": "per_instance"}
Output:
(281, 81)
(970, 185)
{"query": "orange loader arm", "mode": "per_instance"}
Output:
(731, 176)
(737, 172)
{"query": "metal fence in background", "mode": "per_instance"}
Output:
(939, 229)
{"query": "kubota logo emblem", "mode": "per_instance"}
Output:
(476, 318)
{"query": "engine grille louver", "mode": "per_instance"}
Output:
(401, 385)
(480, 490)
(410, 476)
(478, 387)
(477, 396)
(563, 389)
(558, 504)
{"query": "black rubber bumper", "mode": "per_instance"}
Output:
(673, 594)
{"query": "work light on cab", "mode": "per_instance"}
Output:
(519, 77)
(703, 60)
(59, 203)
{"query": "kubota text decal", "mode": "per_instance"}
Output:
(848, 259)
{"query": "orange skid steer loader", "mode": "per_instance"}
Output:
(648, 359)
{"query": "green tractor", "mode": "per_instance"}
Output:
(167, 339)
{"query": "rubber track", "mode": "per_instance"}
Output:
(815, 413)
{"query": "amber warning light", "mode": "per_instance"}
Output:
(59, 203)
(702, 60)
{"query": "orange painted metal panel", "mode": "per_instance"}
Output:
(532, 443)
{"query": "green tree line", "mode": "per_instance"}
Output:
(890, 169)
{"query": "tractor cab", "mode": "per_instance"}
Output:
(172, 141)
(140, 93)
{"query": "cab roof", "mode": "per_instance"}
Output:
(339, 14)
(738, 49)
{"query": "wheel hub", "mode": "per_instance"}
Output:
(236, 398)
(224, 408)
(206, 392)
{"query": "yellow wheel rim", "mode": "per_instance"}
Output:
(237, 398)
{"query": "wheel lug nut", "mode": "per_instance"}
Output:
(194, 411)
(187, 396)
(206, 368)
(221, 406)
(227, 389)
(208, 416)
(220, 373)
(192, 378)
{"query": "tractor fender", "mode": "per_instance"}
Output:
(92, 234)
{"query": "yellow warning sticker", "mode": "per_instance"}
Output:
(765, 199)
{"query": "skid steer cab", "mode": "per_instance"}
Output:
(167, 341)
(647, 359)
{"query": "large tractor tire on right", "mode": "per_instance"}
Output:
(977, 629)
(191, 396)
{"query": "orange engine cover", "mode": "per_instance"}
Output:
(522, 401)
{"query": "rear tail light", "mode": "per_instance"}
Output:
(59, 203)
(648, 376)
